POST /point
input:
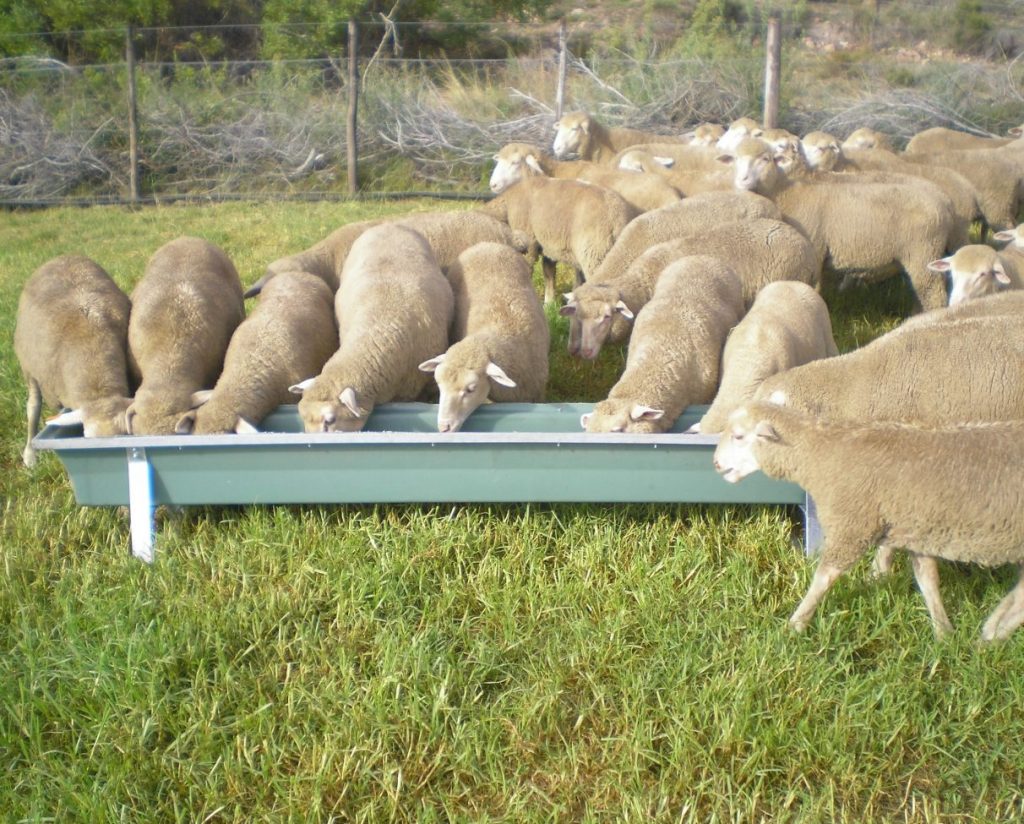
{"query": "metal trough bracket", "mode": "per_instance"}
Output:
(812, 527)
(140, 504)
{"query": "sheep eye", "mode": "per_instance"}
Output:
(470, 388)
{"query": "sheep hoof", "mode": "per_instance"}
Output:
(798, 625)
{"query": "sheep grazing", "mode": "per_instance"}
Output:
(977, 270)
(393, 307)
(578, 134)
(572, 222)
(787, 326)
(869, 230)
(184, 311)
(890, 484)
(70, 338)
(675, 352)
(738, 131)
(941, 139)
(501, 336)
(288, 337)
(759, 250)
(643, 192)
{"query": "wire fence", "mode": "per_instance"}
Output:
(276, 128)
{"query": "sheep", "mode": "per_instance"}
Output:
(865, 138)
(1014, 249)
(675, 352)
(738, 131)
(500, 334)
(572, 222)
(447, 232)
(890, 484)
(688, 181)
(581, 135)
(977, 270)
(704, 134)
(759, 250)
(864, 230)
(393, 307)
(514, 161)
(787, 325)
(184, 311)
(785, 146)
(823, 152)
(70, 338)
(288, 337)
(686, 159)
(941, 139)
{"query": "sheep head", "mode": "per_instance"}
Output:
(821, 150)
(572, 136)
(623, 415)
(464, 376)
(973, 272)
(592, 307)
(512, 163)
(736, 454)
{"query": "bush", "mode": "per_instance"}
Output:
(970, 27)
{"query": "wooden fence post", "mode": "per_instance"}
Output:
(133, 119)
(562, 60)
(352, 153)
(772, 71)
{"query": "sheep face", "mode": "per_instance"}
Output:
(865, 138)
(511, 165)
(754, 167)
(1014, 237)
(463, 388)
(322, 413)
(102, 418)
(621, 415)
(738, 131)
(736, 454)
(706, 134)
(572, 136)
(591, 309)
(973, 272)
(821, 151)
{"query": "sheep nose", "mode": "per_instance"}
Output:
(717, 465)
(444, 426)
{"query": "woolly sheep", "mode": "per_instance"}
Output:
(890, 484)
(759, 250)
(865, 230)
(580, 134)
(1014, 249)
(572, 222)
(514, 161)
(687, 180)
(704, 134)
(976, 270)
(393, 307)
(865, 138)
(675, 352)
(787, 326)
(501, 336)
(184, 311)
(70, 338)
(738, 131)
(288, 337)
(941, 139)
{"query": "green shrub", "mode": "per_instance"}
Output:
(970, 26)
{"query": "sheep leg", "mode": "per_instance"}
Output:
(547, 266)
(882, 564)
(926, 572)
(929, 289)
(1009, 615)
(33, 409)
(824, 576)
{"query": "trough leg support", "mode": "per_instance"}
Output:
(140, 504)
(812, 528)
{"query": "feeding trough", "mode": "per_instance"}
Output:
(507, 453)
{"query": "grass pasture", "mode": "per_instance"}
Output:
(469, 663)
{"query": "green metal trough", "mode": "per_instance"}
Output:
(505, 453)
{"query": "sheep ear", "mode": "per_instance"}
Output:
(129, 420)
(350, 402)
(693, 430)
(667, 162)
(1005, 235)
(200, 397)
(186, 423)
(623, 310)
(727, 159)
(432, 364)
(1016, 131)
(497, 374)
(570, 306)
(72, 417)
(299, 388)
(243, 427)
(584, 418)
(940, 266)
(531, 161)
(645, 413)
(766, 432)
(1000, 274)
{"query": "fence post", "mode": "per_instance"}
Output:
(133, 119)
(562, 61)
(352, 153)
(772, 71)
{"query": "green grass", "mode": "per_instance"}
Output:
(468, 663)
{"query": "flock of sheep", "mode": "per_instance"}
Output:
(705, 250)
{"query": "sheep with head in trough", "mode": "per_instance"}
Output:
(393, 307)
(571, 222)
(870, 231)
(675, 351)
(579, 134)
(288, 337)
(976, 270)
(759, 250)
(788, 325)
(70, 338)
(890, 484)
(184, 311)
(500, 336)
(643, 192)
